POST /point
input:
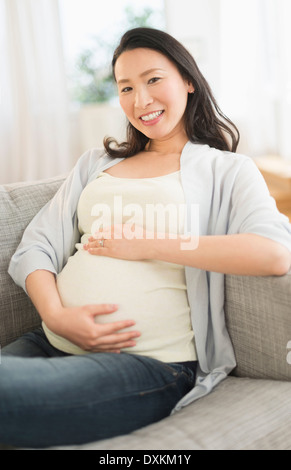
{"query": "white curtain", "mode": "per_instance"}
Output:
(256, 73)
(34, 118)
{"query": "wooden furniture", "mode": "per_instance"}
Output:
(277, 174)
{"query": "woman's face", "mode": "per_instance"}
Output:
(152, 93)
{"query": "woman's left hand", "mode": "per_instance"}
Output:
(119, 241)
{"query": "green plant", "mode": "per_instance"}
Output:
(93, 81)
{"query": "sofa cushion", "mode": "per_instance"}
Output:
(258, 320)
(240, 414)
(18, 205)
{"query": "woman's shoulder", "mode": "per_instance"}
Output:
(202, 155)
(91, 157)
(92, 161)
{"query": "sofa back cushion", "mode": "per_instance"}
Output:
(258, 317)
(19, 203)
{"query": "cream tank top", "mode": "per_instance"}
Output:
(150, 292)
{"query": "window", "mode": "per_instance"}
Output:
(256, 72)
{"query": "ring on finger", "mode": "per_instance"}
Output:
(101, 243)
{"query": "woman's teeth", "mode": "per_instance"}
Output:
(152, 116)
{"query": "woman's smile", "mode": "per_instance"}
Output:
(151, 118)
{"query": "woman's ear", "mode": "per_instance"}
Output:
(191, 88)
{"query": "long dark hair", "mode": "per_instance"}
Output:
(204, 121)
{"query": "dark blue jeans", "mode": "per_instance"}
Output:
(49, 398)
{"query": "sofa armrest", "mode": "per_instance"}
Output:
(19, 203)
(258, 318)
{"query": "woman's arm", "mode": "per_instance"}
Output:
(50, 238)
(240, 254)
(77, 324)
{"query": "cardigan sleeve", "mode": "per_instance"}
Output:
(253, 210)
(50, 238)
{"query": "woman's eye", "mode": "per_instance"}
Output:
(126, 89)
(154, 80)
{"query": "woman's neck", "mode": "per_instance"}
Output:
(168, 146)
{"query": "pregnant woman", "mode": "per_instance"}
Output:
(126, 264)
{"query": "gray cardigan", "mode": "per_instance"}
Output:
(232, 198)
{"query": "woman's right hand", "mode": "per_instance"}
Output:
(78, 326)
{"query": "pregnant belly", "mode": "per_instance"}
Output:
(136, 286)
(151, 293)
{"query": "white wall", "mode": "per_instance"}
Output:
(196, 23)
(99, 121)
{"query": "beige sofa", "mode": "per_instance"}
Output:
(251, 409)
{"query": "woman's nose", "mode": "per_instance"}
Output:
(142, 99)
